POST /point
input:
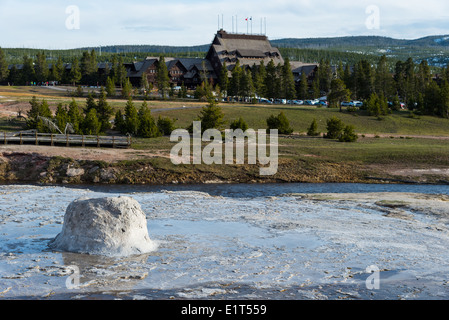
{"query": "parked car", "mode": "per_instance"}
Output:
(299, 102)
(323, 103)
(263, 100)
(308, 102)
(347, 104)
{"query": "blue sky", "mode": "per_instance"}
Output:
(49, 24)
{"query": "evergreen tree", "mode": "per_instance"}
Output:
(377, 105)
(303, 90)
(432, 99)
(41, 67)
(104, 111)
(270, 80)
(383, 82)
(75, 72)
(325, 75)
(28, 74)
(119, 71)
(89, 69)
(334, 127)
(313, 129)
(338, 93)
(131, 118)
(279, 122)
(38, 110)
(259, 80)
(4, 72)
(239, 124)
(61, 117)
(165, 125)
(90, 103)
(348, 134)
(147, 127)
(224, 78)
(236, 81)
(247, 86)
(110, 87)
(363, 79)
(119, 122)
(211, 117)
(288, 90)
(443, 110)
(15, 76)
(74, 116)
(91, 125)
(162, 77)
(57, 71)
(127, 89)
(316, 93)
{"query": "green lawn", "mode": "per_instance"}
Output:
(301, 117)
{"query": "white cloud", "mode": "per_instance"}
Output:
(182, 22)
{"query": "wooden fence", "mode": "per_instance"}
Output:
(67, 140)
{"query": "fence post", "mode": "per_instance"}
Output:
(21, 142)
(113, 141)
(98, 141)
(51, 139)
(4, 137)
(67, 140)
(35, 136)
(82, 140)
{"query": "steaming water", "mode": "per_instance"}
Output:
(229, 242)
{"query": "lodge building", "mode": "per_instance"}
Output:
(226, 48)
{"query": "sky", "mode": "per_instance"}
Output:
(62, 24)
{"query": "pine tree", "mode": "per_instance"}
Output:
(270, 80)
(239, 124)
(28, 74)
(91, 125)
(236, 81)
(119, 122)
(75, 72)
(303, 90)
(288, 81)
(348, 134)
(61, 117)
(224, 79)
(131, 118)
(165, 125)
(38, 110)
(57, 71)
(147, 127)
(338, 93)
(334, 127)
(279, 122)
(127, 89)
(4, 72)
(104, 111)
(313, 129)
(162, 77)
(110, 87)
(259, 80)
(383, 82)
(74, 116)
(41, 67)
(211, 117)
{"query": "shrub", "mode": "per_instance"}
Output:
(313, 129)
(239, 124)
(334, 128)
(166, 125)
(348, 134)
(279, 122)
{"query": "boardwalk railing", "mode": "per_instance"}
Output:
(66, 140)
